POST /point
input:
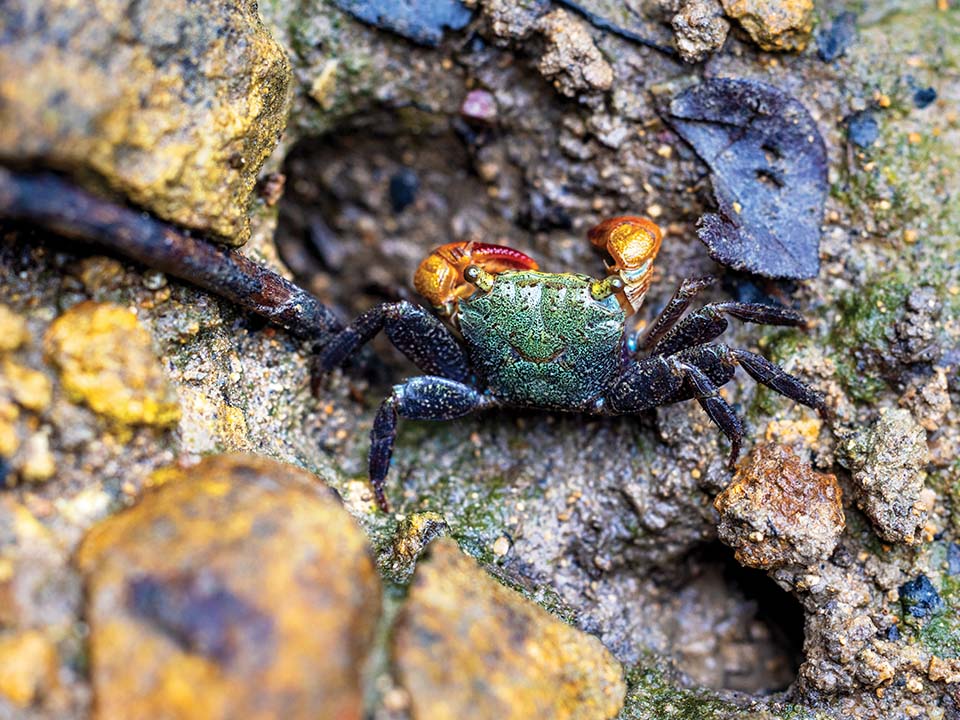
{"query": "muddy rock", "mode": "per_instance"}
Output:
(928, 398)
(917, 329)
(106, 360)
(887, 462)
(459, 624)
(571, 60)
(200, 594)
(779, 511)
(700, 29)
(176, 106)
(511, 20)
(782, 25)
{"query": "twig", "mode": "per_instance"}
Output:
(56, 204)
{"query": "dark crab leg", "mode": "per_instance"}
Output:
(674, 309)
(58, 205)
(423, 338)
(709, 322)
(420, 398)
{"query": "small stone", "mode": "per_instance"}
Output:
(571, 59)
(30, 389)
(700, 29)
(404, 185)
(780, 25)
(501, 546)
(321, 90)
(38, 462)
(106, 359)
(863, 129)
(467, 647)
(479, 106)
(28, 667)
(13, 330)
(888, 463)
(779, 511)
(922, 97)
(834, 39)
(239, 583)
(944, 670)
(919, 597)
(928, 398)
(415, 532)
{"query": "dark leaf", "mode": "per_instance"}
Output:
(769, 172)
(421, 21)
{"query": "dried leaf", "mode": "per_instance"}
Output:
(769, 174)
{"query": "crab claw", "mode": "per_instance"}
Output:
(440, 277)
(632, 243)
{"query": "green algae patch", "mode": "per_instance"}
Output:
(863, 335)
(941, 634)
(652, 695)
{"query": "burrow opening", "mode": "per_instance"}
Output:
(734, 628)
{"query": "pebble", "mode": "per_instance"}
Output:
(479, 106)
(13, 330)
(919, 597)
(237, 588)
(779, 511)
(106, 360)
(775, 25)
(863, 129)
(572, 60)
(468, 648)
(922, 97)
(834, 39)
(700, 29)
(888, 463)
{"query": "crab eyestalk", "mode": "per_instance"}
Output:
(441, 277)
(632, 243)
(602, 289)
(478, 277)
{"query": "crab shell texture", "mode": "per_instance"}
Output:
(542, 340)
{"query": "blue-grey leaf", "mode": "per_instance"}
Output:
(768, 167)
(421, 21)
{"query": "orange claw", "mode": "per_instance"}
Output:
(440, 276)
(633, 242)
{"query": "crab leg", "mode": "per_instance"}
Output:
(674, 309)
(420, 398)
(416, 333)
(709, 322)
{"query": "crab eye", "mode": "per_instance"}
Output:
(442, 277)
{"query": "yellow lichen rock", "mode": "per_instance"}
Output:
(466, 648)
(106, 360)
(28, 667)
(239, 588)
(172, 103)
(776, 25)
(13, 328)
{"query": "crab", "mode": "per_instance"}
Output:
(503, 334)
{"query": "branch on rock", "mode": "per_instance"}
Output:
(56, 204)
